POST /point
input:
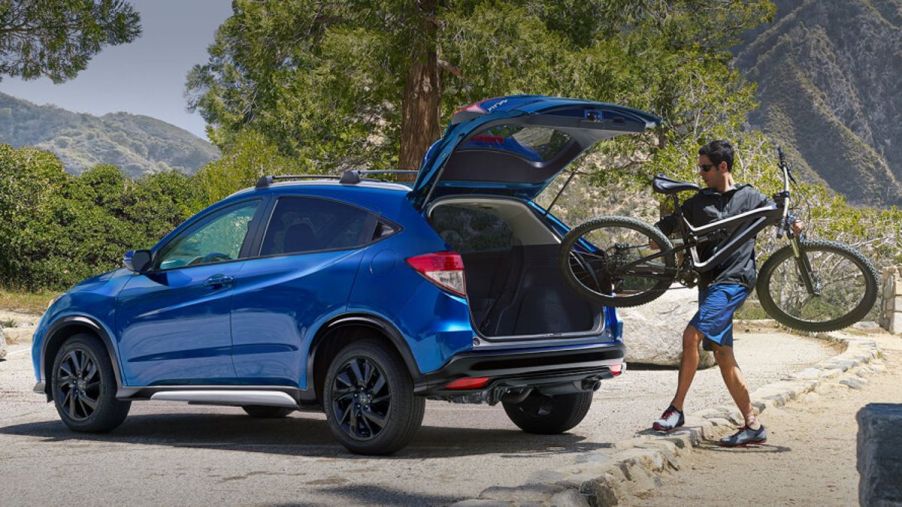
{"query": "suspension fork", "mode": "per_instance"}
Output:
(804, 266)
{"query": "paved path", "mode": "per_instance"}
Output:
(171, 454)
(810, 456)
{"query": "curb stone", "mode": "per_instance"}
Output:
(637, 463)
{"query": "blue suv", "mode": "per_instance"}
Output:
(357, 297)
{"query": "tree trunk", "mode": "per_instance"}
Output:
(422, 91)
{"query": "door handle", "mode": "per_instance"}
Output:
(217, 281)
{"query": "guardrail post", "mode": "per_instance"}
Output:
(891, 313)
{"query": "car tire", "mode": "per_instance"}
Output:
(369, 401)
(265, 412)
(84, 386)
(549, 415)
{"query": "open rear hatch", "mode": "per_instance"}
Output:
(474, 186)
(515, 146)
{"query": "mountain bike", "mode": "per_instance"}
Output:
(811, 285)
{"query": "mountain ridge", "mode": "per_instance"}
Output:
(137, 144)
(829, 90)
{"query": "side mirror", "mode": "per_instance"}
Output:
(138, 261)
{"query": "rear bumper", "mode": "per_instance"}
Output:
(555, 371)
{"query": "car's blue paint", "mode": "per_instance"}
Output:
(278, 304)
(173, 329)
(168, 327)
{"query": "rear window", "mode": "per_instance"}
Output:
(301, 224)
(538, 144)
(469, 230)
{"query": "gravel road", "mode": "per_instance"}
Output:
(174, 454)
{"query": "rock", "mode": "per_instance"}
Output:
(880, 454)
(19, 334)
(569, 498)
(653, 333)
(853, 383)
(2, 345)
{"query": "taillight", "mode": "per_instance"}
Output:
(616, 369)
(445, 269)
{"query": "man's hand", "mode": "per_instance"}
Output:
(797, 227)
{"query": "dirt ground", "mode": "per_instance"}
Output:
(809, 458)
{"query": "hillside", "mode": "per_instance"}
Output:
(829, 75)
(136, 144)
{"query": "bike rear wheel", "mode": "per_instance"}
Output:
(610, 260)
(845, 283)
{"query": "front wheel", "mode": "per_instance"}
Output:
(84, 386)
(617, 261)
(844, 286)
(549, 415)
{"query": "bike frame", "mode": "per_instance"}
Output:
(757, 219)
(751, 222)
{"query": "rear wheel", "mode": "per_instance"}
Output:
(84, 386)
(549, 415)
(264, 412)
(369, 401)
(611, 260)
(844, 282)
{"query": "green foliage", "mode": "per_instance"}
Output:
(323, 82)
(59, 228)
(249, 157)
(57, 39)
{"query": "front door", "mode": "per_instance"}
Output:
(173, 322)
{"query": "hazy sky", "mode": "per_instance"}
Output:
(144, 77)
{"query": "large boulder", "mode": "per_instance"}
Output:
(653, 332)
(880, 454)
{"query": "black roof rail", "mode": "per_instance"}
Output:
(349, 177)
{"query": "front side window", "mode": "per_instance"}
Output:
(301, 224)
(216, 240)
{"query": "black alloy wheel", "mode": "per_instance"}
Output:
(78, 378)
(361, 398)
(84, 386)
(369, 401)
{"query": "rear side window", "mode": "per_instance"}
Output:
(469, 230)
(302, 224)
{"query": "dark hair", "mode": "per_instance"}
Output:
(718, 151)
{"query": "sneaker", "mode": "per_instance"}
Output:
(745, 436)
(671, 419)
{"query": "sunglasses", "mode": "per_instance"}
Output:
(706, 167)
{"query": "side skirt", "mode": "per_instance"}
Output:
(271, 396)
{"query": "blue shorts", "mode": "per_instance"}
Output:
(716, 305)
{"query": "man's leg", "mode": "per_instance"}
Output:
(672, 418)
(688, 365)
(735, 381)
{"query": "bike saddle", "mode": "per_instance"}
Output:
(664, 185)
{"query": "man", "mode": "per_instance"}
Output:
(721, 290)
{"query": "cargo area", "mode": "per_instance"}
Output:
(514, 286)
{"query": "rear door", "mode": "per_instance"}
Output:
(302, 273)
(515, 146)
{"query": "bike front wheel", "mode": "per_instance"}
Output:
(840, 289)
(617, 261)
